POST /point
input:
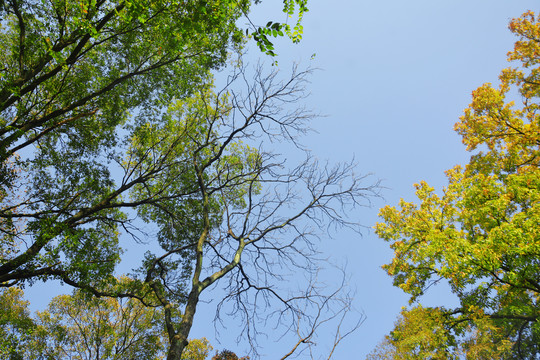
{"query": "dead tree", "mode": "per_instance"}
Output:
(231, 209)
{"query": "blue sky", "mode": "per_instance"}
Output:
(394, 78)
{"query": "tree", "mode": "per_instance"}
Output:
(426, 333)
(108, 118)
(228, 355)
(17, 328)
(228, 210)
(197, 349)
(71, 76)
(481, 235)
(78, 326)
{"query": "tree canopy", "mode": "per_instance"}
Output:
(78, 326)
(481, 234)
(110, 124)
(72, 75)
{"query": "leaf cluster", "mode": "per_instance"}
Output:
(481, 235)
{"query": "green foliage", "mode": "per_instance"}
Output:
(183, 149)
(427, 333)
(274, 29)
(17, 328)
(197, 349)
(79, 326)
(481, 235)
(108, 119)
(72, 75)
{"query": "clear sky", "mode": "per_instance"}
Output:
(395, 76)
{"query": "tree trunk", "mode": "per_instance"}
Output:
(179, 340)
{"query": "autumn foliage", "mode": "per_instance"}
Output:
(482, 234)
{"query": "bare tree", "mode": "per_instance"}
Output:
(230, 210)
(329, 310)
